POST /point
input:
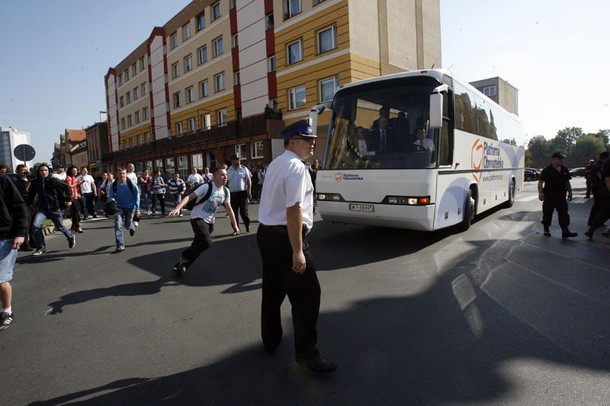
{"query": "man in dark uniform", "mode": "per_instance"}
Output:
(553, 185)
(286, 217)
(603, 213)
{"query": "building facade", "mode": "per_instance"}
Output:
(97, 144)
(500, 91)
(224, 76)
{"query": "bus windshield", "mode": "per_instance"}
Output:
(383, 125)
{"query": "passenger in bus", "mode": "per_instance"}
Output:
(384, 112)
(361, 142)
(381, 139)
(423, 143)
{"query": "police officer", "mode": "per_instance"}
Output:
(553, 185)
(240, 185)
(286, 217)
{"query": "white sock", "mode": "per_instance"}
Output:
(7, 310)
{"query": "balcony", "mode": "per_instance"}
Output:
(199, 140)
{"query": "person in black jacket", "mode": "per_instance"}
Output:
(50, 196)
(13, 229)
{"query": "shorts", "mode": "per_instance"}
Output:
(8, 256)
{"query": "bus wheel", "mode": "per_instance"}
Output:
(469, 206)
(511, 194)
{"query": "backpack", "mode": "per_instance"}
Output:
(192, 203)
(129, 183)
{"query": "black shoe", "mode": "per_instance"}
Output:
(72, 242)
(176, 271)
(568, 234)
(179, 269)
(321, 364)
(547, 232)
(247, 229)
(132, 232)
(5, 320)
(589, 233)
(119, 249)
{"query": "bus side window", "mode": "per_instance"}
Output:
(444, 151)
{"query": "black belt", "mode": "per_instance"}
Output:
(281, 229)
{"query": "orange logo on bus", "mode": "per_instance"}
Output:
(476, 158)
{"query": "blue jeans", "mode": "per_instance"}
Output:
(58, 221)
(122, 217)
(146, 198)
(7, 260)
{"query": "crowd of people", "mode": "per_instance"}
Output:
(286, 217)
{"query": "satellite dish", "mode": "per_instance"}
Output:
(24, 152)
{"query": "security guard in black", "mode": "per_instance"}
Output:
(553, 185)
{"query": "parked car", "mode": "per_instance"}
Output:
(531, 174)
(577, 171)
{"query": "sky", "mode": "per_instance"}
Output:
(54, 55)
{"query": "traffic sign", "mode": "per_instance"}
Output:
(24, 152)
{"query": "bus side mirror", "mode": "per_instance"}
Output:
(436, 110)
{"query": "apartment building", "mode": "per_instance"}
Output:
(224, 76)
(500, 91)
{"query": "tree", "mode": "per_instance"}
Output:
(604, 135)
(510, 141)
(565, 139)
(587, 147)
(538, 147)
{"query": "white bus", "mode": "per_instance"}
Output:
(466, 163)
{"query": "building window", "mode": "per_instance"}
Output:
(147, 138)
(126, 76)
(235, 41)
(136, 117)
(191, 125)
(142, 65)
(188, 63)
(218, 47)
(175, 70)
(176, 97)
(271, 64)
(292, 8)
(235, 78)
(129, 121)
(221, 116)
(206, 121)
(295, 52)
(145, 113)
(257, 150)
(131, 142)
(186, 31)
(128, 97)
(122, 101)
(200, 21)
(489, 91)
(269, 21)
(179, 129)
(136, 91)
(296, 98)
(219, 82)
(327, 39)
(240, 149)
(202, 55)
(144, 89)
(204, 89)
(327, 88)
(134, 70)
(216, 11)
(197, 161)
(123, 123)
(189, 93)
(120, 79)
(316, 2)
(173, 40)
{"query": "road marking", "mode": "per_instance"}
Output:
(526, 198)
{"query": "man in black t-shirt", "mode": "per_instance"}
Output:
(553, 185)
(595, 178)
(603, 213)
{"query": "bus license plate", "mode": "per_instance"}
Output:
(369, 208)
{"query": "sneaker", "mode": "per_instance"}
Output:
(39, 251)
(72, 242)
(149, 212)
(5, 320)
(132, 232)
(136, 223)
(119, 249)
(181, 215)
(182, 268)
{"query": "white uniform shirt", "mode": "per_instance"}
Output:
(132, 177)
(238, 178)
(287, 182)
(426, 143)
(207, 210)
(194, 179)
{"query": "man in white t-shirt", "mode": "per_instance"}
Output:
(88, 192)
(194, 179)
(131, 174)
(203, 217)
(286, 217)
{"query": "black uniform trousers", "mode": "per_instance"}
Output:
(279, 281)
(555, 201)
(239, 204)
(201, 242)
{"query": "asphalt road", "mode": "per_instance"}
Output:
(497, 315)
